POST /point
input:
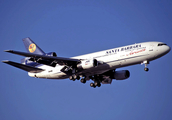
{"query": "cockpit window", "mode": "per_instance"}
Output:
(161, 44)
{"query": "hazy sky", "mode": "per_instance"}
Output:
(72, 28)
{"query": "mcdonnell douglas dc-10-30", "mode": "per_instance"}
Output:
(99, 66)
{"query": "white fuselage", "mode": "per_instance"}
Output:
(110, 59)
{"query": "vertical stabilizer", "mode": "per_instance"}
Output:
(32, 47)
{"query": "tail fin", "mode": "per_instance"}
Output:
(31, 47)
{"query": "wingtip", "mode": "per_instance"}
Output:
(5, 61)
(8, 50)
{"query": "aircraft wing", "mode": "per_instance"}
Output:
(48, 60)
(24, 67)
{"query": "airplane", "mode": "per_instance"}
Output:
(100, 67)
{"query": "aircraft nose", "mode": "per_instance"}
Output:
(168, 49)
(164, 49)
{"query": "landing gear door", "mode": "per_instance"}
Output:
(106, 80)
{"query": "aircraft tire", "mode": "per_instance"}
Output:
(96, 83)
(146, 69)
(74, 77)
(99, 85)
(91, 84)
(70, 77)
(83, 81)
(78, 78)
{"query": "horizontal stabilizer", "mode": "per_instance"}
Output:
(24, 67)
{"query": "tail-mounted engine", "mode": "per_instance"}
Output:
(53, 54)
(87, 64)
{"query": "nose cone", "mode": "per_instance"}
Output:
(163, 50)
(168, 49)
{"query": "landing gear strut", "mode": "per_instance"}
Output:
(97, 81)
(74, 76)
(146, 63)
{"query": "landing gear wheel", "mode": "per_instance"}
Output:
(96, 83)
(74, 77)
(70, 77)
(78, 78)
(92, 84)
(83, 80)
(146, 69)
(99, 85)
(146, 63)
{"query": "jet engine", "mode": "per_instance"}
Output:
(121, 75)
(53, 54)
(87, 64)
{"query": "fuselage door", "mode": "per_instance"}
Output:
(151, 47)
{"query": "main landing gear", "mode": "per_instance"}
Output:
(96, 78)
(74, 77)
(97, 82)
(83, 80)
(146, 63)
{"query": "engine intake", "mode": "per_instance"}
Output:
(53, 54)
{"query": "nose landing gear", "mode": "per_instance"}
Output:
(146, 63)
(146, 69)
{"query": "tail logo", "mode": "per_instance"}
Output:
(32, 48)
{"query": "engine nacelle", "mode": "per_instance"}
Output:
(53, 54)
(87, 64)
(121, 75)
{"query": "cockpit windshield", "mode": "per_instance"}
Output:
(161, 44)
